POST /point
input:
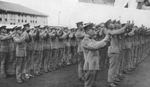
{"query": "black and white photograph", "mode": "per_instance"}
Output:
(74, 43)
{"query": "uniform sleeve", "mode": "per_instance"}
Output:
(51, 34)
(119, 31)
(93, 45)
(5, 37)
(63, 36)
(20, 39)
(132, 32)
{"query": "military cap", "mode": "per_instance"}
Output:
(118, 22)
(108, 22)
(3, 27)
(88, 26)
(140, 0)
(123, 24)
(79, 23)
(100, 25)
(14, 27)
(26, 25)
(18, 28)
(114, 21)
(46, 27)
(37, 26)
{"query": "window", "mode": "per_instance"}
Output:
(22, 20)
(11, 23)
(19, 20)
(0, 19)
(6, 19)
(31, 21)
(35, 21)
(25, 21)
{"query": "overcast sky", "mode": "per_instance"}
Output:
(68, 12)
(53, 8)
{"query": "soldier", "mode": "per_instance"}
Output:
(11, 62)
(36, 54)
(19, 39)
(3, 50)
(45, 37)
(79, 35)
(61, 46)
(114, 53)
(27, 59)
(52, 35)
(65, 37)
(91, 55)
(72, 40)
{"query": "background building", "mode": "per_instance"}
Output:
(15, 14)
(111, 2)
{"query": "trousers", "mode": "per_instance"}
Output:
(19, 67)
(90, 78)
(114, 65)
(80, 65)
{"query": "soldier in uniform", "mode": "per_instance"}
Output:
(72, 45)
(114, 53)
(4, 45)
(61, 47)
(80, 35)
(52, 35)
(19, 39)
(45, 50)
(91, 55)
(27, 59)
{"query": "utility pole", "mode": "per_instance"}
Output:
(59, 17)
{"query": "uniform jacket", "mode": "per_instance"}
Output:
(91, 54)
(79, 35)
(20, 44)
(4, 43)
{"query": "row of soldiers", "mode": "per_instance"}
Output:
(121, 47)
(28, 52)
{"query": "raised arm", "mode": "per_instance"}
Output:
(5, 37)
(87, 44)
(19, 39)
(119, 31)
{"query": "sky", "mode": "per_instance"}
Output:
(68, 12)
(49, 7)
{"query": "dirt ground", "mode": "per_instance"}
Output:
(67, 77)
(140, 77)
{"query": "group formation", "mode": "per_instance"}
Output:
(29, 52)
(115, 46)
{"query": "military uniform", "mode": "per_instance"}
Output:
(114, 52)
(53, 49)
(79, 35)
(20, 54)
(4, 47)
(91, 57)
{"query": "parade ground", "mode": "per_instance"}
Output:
(67, 77)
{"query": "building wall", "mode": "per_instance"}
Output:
(20, 19)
